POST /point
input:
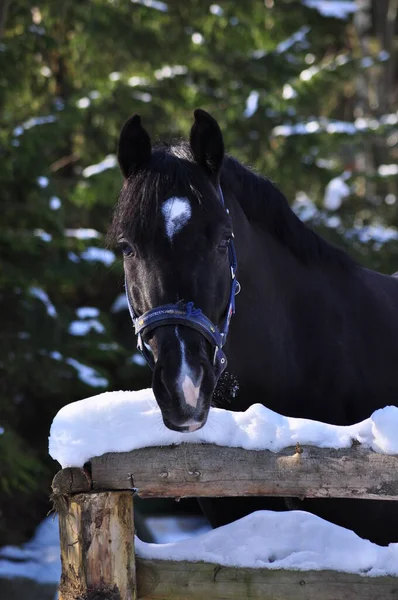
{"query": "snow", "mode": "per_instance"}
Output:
(87, 374)
(338, 61)
(170, 71)
(333, 126)
(39, 293)
(110, 346)
(334, 222)
(94, 254)
(81, 328)
(336, 190)
(215, 9)
(42, 181)
(304, 207)
(156, 4)
(82, 233)
(281, 540)
(138, 359)
(309, 73)
(45, 71)
(298, 36)
(83, 102)
(115, 76)
(251, 104)
(376, 233)
(288, 92)
(366, 62)
(43, 235)
(73, 257)
(390, 199)
(38, 559)
(135, 80)
(119, 304)
(55, 203)
(324, 125)
(306, 210)
(340, 9)
(388, 170)
(384, 55)
(197, 38)
(33, 122)
(84, 312)
(142, 96)
(109, 162)
(81, 430)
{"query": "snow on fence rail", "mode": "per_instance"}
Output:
(97, 532)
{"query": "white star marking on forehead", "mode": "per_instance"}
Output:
(176, 212)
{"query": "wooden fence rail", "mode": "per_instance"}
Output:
(95, 506)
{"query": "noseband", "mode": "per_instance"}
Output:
(186, 314)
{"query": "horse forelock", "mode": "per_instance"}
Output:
(171, 172)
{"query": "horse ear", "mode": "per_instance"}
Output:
(207, 142)
(134, 147)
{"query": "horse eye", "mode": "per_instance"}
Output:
(126, 249)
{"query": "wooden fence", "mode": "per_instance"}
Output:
(95, 507)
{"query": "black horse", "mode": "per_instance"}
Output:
(315, 335)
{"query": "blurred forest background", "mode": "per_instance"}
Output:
(305, 91)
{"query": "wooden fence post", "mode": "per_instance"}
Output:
(97, 541)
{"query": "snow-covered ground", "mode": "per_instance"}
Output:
(82, 429)
(281, 540)
(38, 559)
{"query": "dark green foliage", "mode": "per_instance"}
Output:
(71, 73)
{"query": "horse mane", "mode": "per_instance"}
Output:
(266, 206)
(173, 170)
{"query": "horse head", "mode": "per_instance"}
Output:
(179, 262)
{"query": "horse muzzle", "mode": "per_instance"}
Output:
(183, 379)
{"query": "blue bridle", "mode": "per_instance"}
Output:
(186, 314)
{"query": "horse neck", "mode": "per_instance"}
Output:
(272, 274)
(270, 277)
(280, 297)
